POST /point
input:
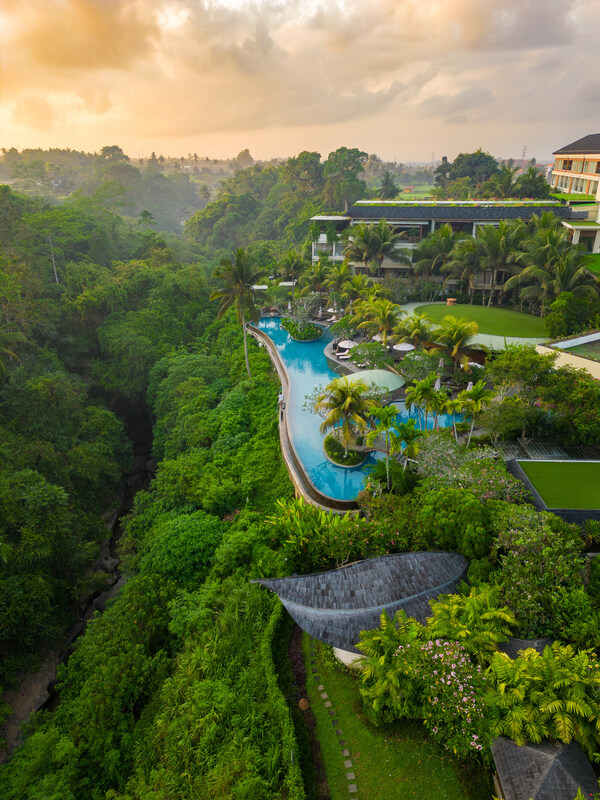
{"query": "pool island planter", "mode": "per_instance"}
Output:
(303, 485)
(344, 466)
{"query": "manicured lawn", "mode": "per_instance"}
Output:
(565, 484)
(395, 761)
(494, 321)
(594, 263)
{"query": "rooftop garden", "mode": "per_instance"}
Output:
(492, 321)
(565, 484)
(577, 198)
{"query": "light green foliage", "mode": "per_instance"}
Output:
(453, 519)
(553, 695)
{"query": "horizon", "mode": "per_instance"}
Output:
(407, 82)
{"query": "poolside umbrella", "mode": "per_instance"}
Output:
(289, 305)
(404, 347)
(441, 364)
(437, 385)
(331, 310)
(320, 310)
(475, 364)
(469, 386)
(346, 344)
(377, 337)
(383, 378)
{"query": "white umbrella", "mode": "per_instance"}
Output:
(475, 364)
(441, 364)
(404, 347)
(320, 310)
(437, 385)
(469, 386)
(331, 310)
(346, 344)
(289, 305)
(377, 337)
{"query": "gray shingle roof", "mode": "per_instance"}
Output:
(545, 771)
(513, 647)
(451, 213)
(587, 144)
(336, 606)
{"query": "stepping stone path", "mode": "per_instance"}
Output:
(348, 765)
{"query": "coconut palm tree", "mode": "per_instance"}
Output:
(290, 265)
(386, 416)
(557, 267)
(453, 406)
(502, 183)
(239, 276)
(381, 317)
(337, 277)
(359, 244)
(384, 241)
(346, 405)
(435, 251)
(415, 328)
(455, 335)
(407, 437)
(500, 248)
(464, 264)
(419, 395)
(354, 288)
(314, 279)
(474, 401)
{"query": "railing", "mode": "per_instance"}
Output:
(298, 475)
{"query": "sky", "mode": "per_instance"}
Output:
(408, 80)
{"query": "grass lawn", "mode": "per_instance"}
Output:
(494, 321)
(594, 263)
(565, 484)
(395, 761)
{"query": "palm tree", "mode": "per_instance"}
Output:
(359, 244)
(345, 404)
(386, 416)
(381, 317)
(435, 251)
(475, 400)
(502, 183)
(337, 277)
(456, 336)
(500, 248)
(557, 267)
(384, 242)
(464, 264)
(355, 287)
(419, 395)
(389, 188)
(415, 329)
(239, 276)
(407, 438)
(291, 264)
(314, 279)
(454, 407)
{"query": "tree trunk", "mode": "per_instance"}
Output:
(53, 261)
(471, 431)
(387, 461)
(246, 347)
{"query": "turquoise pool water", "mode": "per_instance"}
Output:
(307, 367)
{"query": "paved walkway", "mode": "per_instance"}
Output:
(345, 754)
(492, 342)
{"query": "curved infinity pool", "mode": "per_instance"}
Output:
(307, 367)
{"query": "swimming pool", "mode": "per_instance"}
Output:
(307, 368)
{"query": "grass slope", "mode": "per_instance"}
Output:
(395, 761)
(565, 484)
(594, 263)
(493, 321)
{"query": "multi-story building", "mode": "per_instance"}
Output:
(576, 171)
(416, 220)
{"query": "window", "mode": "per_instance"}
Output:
(597, 167)
(568, 164)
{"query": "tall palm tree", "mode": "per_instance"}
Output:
(453, 406)
(415, 328)
(435, 251)
(474, 401)
(345, 404)
(464, 264)
(382, 316)
(290, 265)
(359, 244)
(419, 395)
(386, 416)
(565, 272)
(384, 241)
(239, 276)
(500, 248)
(354, 288)
(455, 334)
(407, 437)
(337, 277)
(314, 279)
(502, 183)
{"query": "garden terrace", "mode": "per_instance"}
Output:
(492, 321)
(565, 484)
(335, 606)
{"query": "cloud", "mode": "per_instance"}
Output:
(182, 68)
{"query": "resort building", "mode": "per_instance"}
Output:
(576, 171)
(417, 219)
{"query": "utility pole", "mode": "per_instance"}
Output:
(524, 152)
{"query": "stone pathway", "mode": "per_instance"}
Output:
(345, 752)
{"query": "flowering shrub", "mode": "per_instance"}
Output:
(453, 705)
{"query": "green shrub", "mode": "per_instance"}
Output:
(302, 331)
(337, 453)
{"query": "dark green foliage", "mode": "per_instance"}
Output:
(453, 519)
(570, 314)
(301, 331)
(402, 480)
(337, 452)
